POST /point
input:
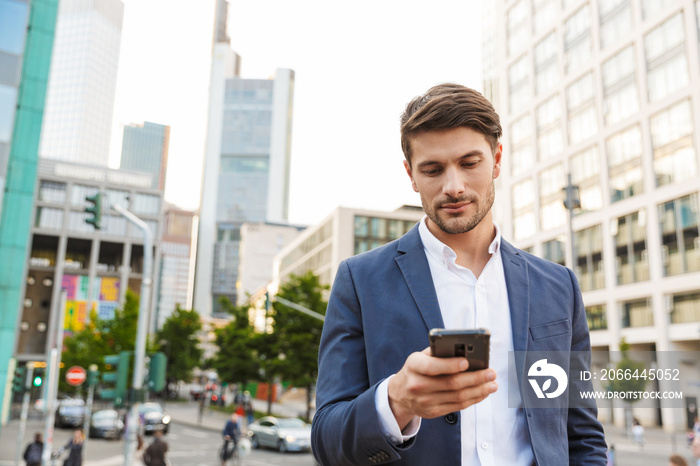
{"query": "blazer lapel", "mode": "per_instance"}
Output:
(518, 286)
(415, 269)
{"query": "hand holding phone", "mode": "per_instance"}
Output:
(472, 344)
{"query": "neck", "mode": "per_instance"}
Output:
(471, 247)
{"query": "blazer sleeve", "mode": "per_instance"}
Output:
(345, 429)
(587, 445)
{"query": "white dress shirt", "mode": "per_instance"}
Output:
(492, 433)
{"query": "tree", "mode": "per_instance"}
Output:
(235, 362)
(628, 379)
(177, 339)
(100, 338)
(298, 335)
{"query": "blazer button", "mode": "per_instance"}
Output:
(451, 418)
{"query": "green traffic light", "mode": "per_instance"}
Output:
(37, 381)
(95, 209)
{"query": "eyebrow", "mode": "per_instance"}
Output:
(470, 154)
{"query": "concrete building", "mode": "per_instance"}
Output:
(260, 243)
(176, 274)
(345, 232)
(83, 82)
(96, 267)
(607, 91)
(26, 43)
(145, 149)
(246, 172)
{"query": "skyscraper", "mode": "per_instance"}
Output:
(607, 91)
(246, 172)
(26, 41)
(82, 82)
(145, 148)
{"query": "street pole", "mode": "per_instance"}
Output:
(25, 411)
(53, 367)
(571, 202)
(140, 349)
(88, 413)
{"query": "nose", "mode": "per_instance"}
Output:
(453, 185)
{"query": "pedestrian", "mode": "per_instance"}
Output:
(33, 452)
(677, 460)
(74, 448)
(696, 450)
(155, 453)
(140, 449)
(249, 411)
(637, 432)
(382, 397)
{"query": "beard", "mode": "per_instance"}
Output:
(455, 224)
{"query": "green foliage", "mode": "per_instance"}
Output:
(627, 366)
(100, 338)
(177, 339)
(236, 361)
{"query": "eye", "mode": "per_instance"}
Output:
(431, 172)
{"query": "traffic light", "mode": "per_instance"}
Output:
(119, 378)
(93, 377)
(95, 209)
(156, 371)
(38, 378)
(19, 382)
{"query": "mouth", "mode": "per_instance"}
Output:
(455, 208)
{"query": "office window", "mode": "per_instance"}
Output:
(686, 307)
(577, 39)
(546, 74)
(667, 67)
(585, 173)
(13, 26)
(588, 244)
(549, 134)
(555, 250)
(516, 24)
(80, 192)
(582, 115)
(621, 98)
(518, 77)
(117, 197)
(524, 224)
(8, 106)
(544, 14)
(649, 7)
(679, 221)
(522, 153)
(624, 153)
(596, 317)
(147, 204)
(615, 20)
(52, 191)
(47, 217)
(552, 211)
(637, 313)
(672, 144)
(629, 235)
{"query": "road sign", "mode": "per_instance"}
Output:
(76, 375)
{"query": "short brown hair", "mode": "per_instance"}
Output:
(678, 460)
(447, 106)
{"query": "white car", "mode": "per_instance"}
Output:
(284, 434)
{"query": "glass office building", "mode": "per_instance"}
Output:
(608, 92)
(145, 148)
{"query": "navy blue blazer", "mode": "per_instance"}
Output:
(382, 306)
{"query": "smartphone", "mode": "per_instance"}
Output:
(472, 344)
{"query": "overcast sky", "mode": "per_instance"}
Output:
(357, 64)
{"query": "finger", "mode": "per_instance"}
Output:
(426, 364)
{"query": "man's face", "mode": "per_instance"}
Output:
(453, 171)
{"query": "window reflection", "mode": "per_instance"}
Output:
(667, 67)
(686, 308)
(596, 317)
(523, 196)
(523, 155)
(516, 24)
(545, 54)
(52, 191)
(629, 235)
(48, 217)
(620, 86)
(672, 143)
(555, 250)
(577, 39)
(637, 313)
(585, 173)
(552, 211)
(518, 77)
(589, 258)
(583, 117)
(549, 135)
(615, 20)
(679, 221)
(624, 151)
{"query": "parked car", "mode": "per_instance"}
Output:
(153, 418)
(70, 413)
(106, 424)
(283, 434)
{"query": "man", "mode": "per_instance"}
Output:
(231, 433)
(32, 455)
(155, 453)
(381, 396)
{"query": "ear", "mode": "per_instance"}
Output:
(407, 166)
(497, 161)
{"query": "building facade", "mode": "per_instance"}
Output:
(177, 256)
(26, 44)
(83, 82)
(344, 233)
(608, 92)
(145, 149)
(95, 267)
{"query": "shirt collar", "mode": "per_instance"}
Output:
(440, 251)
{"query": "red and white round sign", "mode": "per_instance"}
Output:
(76, 375)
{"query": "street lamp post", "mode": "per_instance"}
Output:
(572, 200)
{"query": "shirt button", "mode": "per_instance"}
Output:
(451, 418)
(484, 445)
